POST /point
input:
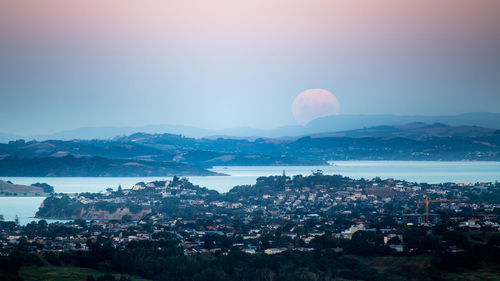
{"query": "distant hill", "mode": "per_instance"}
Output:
(113, 131)
(416, 130)
(71, 166)
(143, 154)
(8, 137)
(350, 122)
(154, 147)
(440, 143)
(335, 123)
(10, 188)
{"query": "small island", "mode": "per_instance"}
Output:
(8, 188)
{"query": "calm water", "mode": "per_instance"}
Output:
(24, 207)
(418, 171)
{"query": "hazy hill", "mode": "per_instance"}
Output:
(335, 123)
(143, 154)
(4, 138)
(350, 122)
(70, 166)
(483, 144)
(416, 130)
(154, 147)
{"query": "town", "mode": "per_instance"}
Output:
(275, 215)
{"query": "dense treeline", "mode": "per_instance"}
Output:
(47, 188)
(164, 259)
(64, 206)
(273, 184)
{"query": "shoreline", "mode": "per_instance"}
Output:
(29, 195)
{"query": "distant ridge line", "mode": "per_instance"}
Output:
(335, 123)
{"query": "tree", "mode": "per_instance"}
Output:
(106, 277)
(46, 187)
(394, 240)
(16, 220)
(175, 180)
(317, 173)
(42, 225)
(126, 218)
(209, 243)
(367, 243)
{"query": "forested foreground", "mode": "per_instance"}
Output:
(164, 260)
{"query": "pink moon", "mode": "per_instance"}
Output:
(314, 103)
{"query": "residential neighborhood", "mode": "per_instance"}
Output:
(278, 213)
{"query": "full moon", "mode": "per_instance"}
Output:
(314, 103)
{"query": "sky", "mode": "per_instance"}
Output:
(224, 63)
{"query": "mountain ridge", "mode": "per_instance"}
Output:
(414, 141)
(326, 124)
(415, 130)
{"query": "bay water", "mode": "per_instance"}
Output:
(414, 171)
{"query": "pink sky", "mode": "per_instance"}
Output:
(265, 25)
(214, 60)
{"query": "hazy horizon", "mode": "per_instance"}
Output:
(328, 124)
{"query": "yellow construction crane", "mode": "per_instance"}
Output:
(427, 201)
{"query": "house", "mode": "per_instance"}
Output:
(249, 251)
(347, 234)
(397, 248)
(272, 251)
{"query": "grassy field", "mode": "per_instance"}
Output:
(398, 268)
(418, 268)
(10, 189)
(64, 273)
(480, 237)
(488, 272)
